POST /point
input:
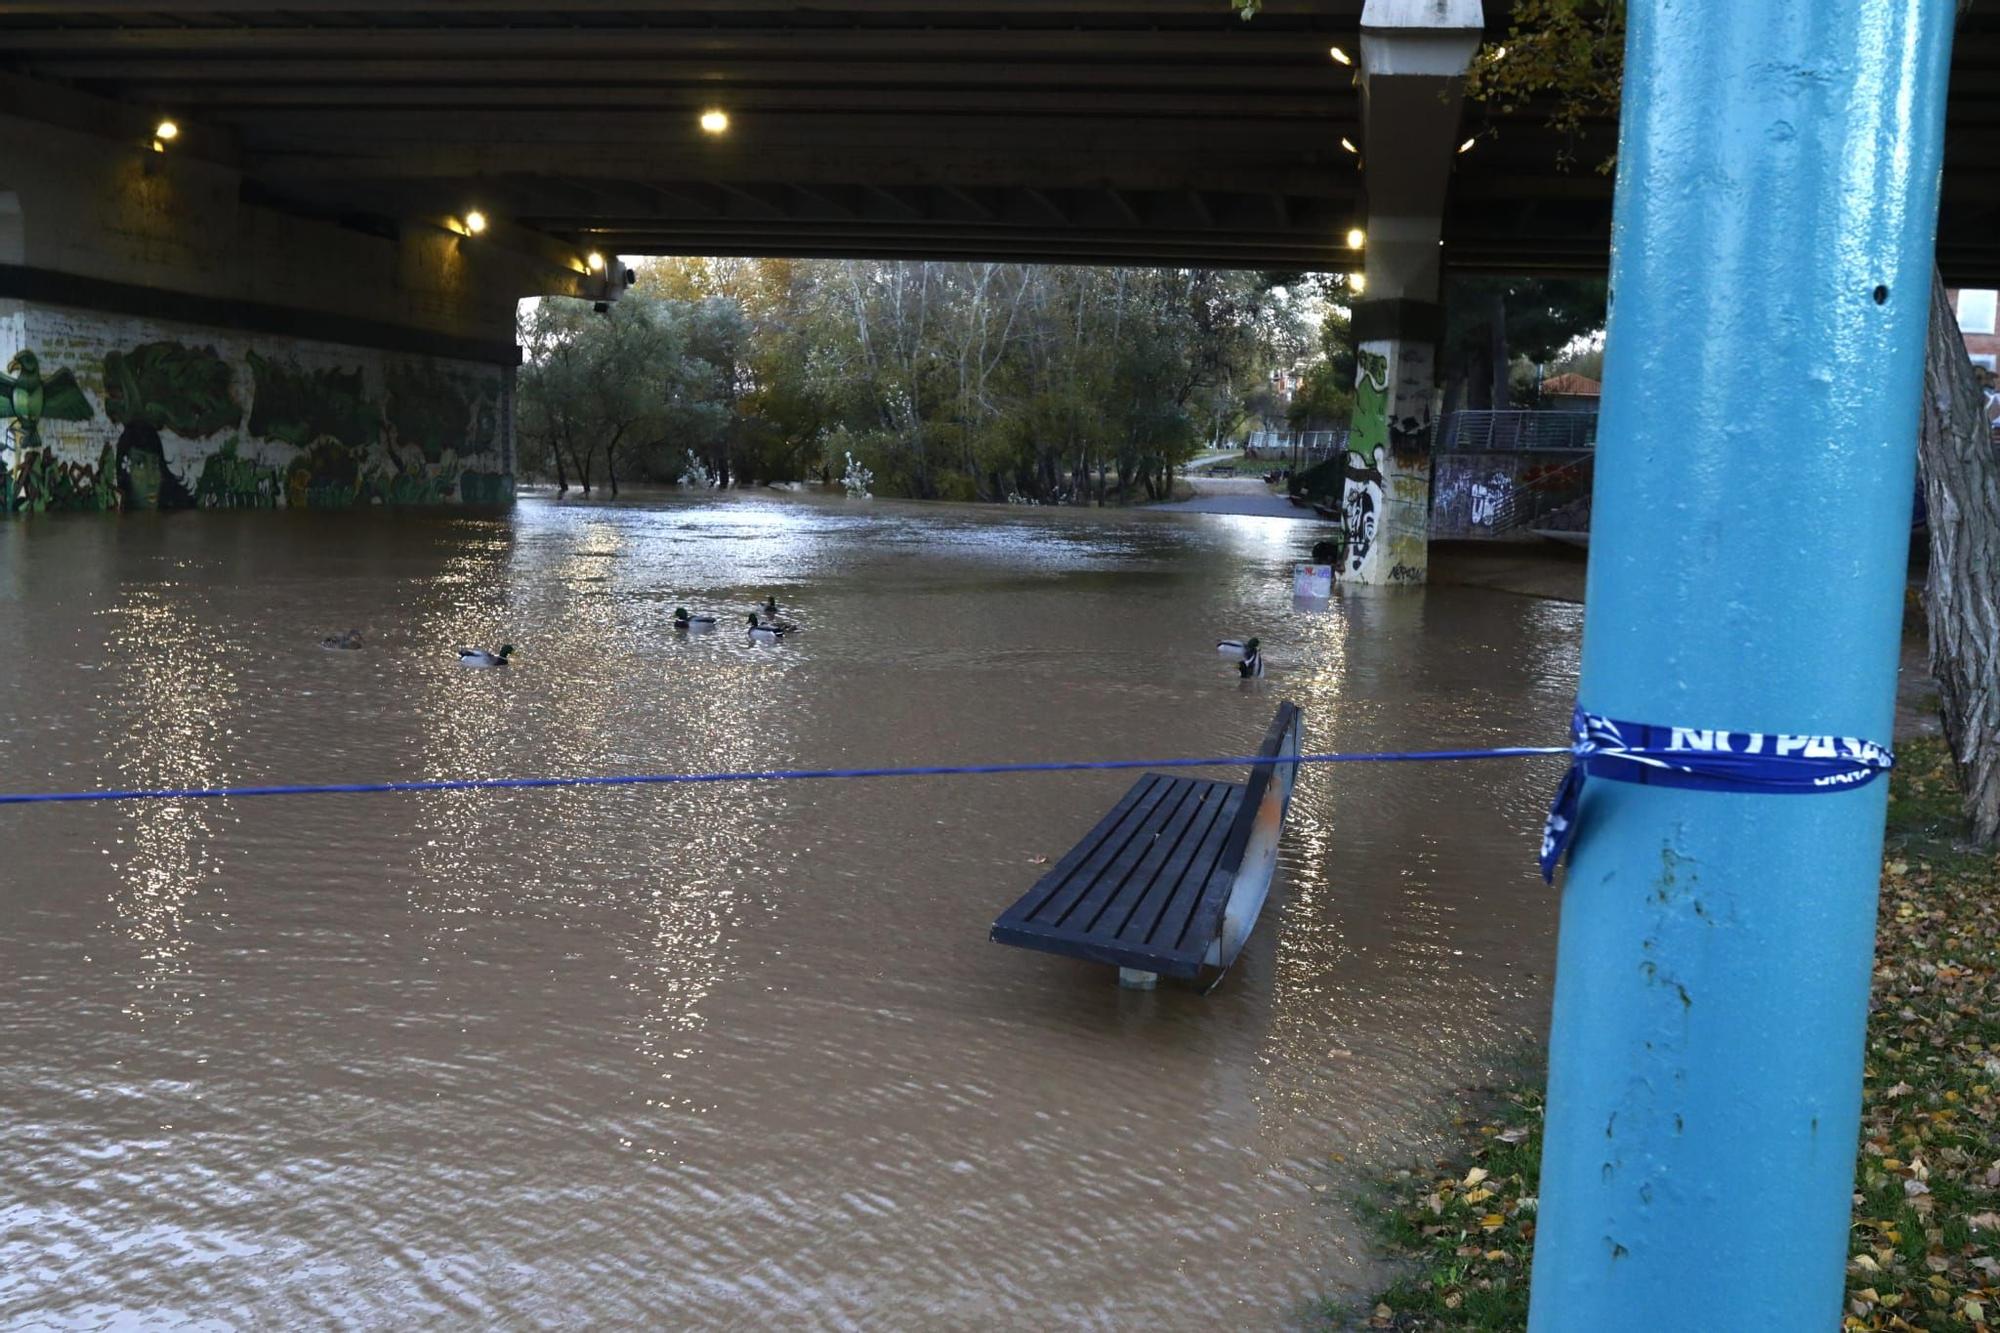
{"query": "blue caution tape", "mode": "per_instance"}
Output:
(1737, 761)
(765, 775)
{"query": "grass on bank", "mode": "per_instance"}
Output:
(1925, 1240)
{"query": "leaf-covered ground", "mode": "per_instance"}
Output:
(1926, 1231)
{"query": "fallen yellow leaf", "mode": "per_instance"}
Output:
(1492, 1221)
(1475, 1175)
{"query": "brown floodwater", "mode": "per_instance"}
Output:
(721, 1056)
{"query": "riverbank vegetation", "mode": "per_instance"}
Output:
(946, 381)
(1924, 1247)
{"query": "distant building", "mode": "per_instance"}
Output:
(1571, 393)
(1977, 309)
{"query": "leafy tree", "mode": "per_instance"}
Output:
(1564, 56)
(1567, 55)
(1490, 321)
(592, 387)
(948, 381)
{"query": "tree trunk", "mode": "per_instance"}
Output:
(1497, 328)
(611, 470)
(562, 477)
(1961, 481)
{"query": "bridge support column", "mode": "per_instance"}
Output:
(1771, 267)
(1385, 498)
(1414, 55)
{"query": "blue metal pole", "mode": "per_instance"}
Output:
(1772, 250)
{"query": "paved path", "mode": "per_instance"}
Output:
(1237, 495)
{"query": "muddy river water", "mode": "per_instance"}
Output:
(721, 1056)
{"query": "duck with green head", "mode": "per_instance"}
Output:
(693, 624)
(761, 632)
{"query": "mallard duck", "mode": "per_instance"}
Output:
(698, 624)
(771, 607)
(1235, 649)
(763, 633)
(479, 657)
(1252, 663)
(346, 639)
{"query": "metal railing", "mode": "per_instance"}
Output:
(1298, 448)
(1499, 493)
(1501, 432)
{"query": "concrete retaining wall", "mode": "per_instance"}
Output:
(1488, 494)
(133, 413)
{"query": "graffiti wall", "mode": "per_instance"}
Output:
(1385, 499)
(1490, 494)
(109, 412)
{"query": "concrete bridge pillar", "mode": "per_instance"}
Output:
(172, 336)
(1414, 54)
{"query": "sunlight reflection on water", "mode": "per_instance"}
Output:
(719, 1056)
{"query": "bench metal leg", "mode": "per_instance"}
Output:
(1132, 978)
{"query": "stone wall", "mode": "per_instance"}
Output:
(102, 411)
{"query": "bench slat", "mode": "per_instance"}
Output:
(1125, 843)
(1036, 900)
(1185, 879)
(1179, 801)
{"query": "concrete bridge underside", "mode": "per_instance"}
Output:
(294, 270)
(1105, 131)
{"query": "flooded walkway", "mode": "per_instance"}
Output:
(720, 1056)
(1247, 495)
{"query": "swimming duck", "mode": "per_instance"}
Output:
(479, 657)
(771, 607)
(1234, 649)
(682, 620)
(771, 633)
(1252, 663)
(346, 639)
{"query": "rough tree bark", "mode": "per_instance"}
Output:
(1961, 481)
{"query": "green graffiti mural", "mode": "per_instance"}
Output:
(307, 407)
(164, 386)
(172, 387)
(43, 483)
(438, 412)
(413, 488)
(37, 481)
(311, 438)
(486, 488)
(230, 481)
(326, 476)
(1371, 404)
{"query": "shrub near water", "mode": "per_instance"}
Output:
(1925, 1239)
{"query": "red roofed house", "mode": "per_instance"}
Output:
(1571, 393)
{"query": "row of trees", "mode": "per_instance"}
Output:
(948, 381)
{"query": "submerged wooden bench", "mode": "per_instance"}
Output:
(1171, 881)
